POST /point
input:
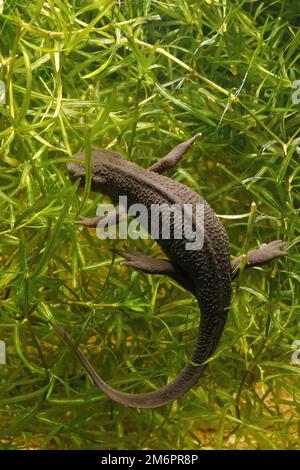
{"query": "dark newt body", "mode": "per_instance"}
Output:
(206, 272)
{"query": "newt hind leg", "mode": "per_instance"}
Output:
(148, 265)
(263, 255)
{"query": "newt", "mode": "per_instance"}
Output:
(207, 272)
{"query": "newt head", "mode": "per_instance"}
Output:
(77, 170)
(101, 162)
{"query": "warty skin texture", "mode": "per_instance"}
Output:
(206, 272)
